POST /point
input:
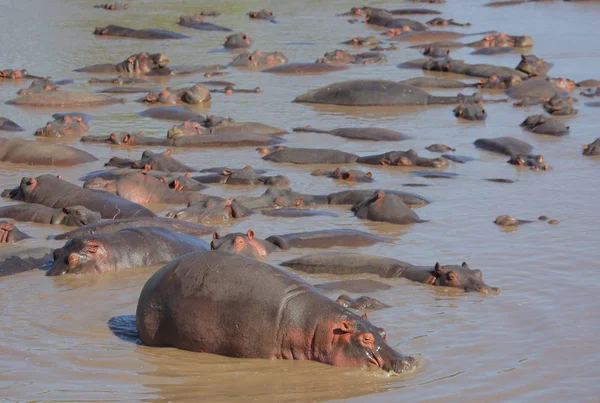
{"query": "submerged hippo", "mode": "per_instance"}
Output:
(353, 197)
(145, 189)
(119, 31)
(56, 193)
(344, 263)
(9, 126)
(125, 249)
(19, 258)
(278, 198)
(504, 145)
(109, 227)
(161, 162)
(72, 216)
(474, 70)
(508, 221)
(63, 126)
(304, 69)
(359, 133)
(543, 124)
(140, 63)
(237, 41)
(560, 106)
(9, 233)
(592, 149)
(113, 6)
(20, 151)
(435, 82)
(64, 99)
(248, 245)
(373, 92)
(470, 111)
(193, 95)
(306, 155)
(212, 210)
(263, 14)
(259, 60)
(351, 175)
(537, 87)
(402, 158)
(385, 207)
(534, 65)
(362, 303)
(244, 176)
(344, 57)
(191, 304)
(195, 22)
(440, 148)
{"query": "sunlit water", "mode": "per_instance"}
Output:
(533, 342)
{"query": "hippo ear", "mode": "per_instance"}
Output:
(465, 265)
(250, 234)
(364, 316)
(439, 269)
(168, 152)
(346, 326)
(369, 175)
(216, 235)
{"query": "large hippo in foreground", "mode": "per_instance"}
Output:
(56, 193)
(374, 92)
(125, 249)
(20, 151)
(221, 303)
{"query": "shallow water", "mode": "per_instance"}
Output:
(533, 342)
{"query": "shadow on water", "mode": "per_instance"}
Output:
(123, 326)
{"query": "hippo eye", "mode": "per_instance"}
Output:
(244, 37)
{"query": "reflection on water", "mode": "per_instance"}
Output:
(73, 338)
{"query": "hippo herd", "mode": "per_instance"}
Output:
(214, 285)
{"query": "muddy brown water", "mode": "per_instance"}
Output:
(535, 341)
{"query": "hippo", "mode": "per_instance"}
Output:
(561, 106)
(385, 207)
(72, 216)
(125, 249)
(438, 44)
(161, 162)
(537, 87)
(145, 189)
(436, 52)
(542, 124)
(359, 133)
(508, 221)
(325, 239)
(40, 85)
(63, 126)
(109, 227)
(498, 83)
(193, 95)
(112, 6)
(344, 57)
(535, 162)
(244, 176)
(442, 22)
(259, 60)
(263, 14)
(505, 3)
(242, 244)
(351, 175)
(531, 64)
(201, 141)
(402, 158)
(592, 149)
(337, 336)
(56, 193)
(564, 84)
(277, 198)
(504, 145)
(304, 69)
(502, 40)
(123, 32)
(352, 197)
(362, 303)
(9, 74)
(344, 263)
(9, 233)
(373, 92)
(354, 285)
(470, 111)
(296, 212)
(474, 70)
(9, 126)
(192, 21)
(229, 90)
(461, 159)
(17, 258)
(64, 99)
(20, 151)
(435, 82)
(306, 155)
(212, 210)
(440, 148)
(139, 63)
(359, 41)
(237, 41)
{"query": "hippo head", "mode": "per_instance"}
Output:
(196, 95)
(240, 40)
(239, 243)
(79, 255)
(337, 56)
(278, 180)
(592, 148)
(355, 342)
(76, 216)
(23, 191)
(187, 128)
(145, 63)
(461, 277)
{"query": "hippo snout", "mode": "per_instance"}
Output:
(401, 365)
